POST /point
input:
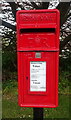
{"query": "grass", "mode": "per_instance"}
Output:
(10, 106)
(11, 109)
(62, 111)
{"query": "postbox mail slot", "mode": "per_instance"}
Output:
(36, 30)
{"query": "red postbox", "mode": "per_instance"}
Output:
(38, 57)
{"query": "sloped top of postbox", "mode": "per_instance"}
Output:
(38, 30)
(37, 18)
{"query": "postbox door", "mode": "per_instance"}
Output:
(30, 95)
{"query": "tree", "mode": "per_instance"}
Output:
(64, 8)
(9, 10)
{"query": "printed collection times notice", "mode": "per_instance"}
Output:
(38, 76)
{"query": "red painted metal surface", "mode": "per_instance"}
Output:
(38, 43)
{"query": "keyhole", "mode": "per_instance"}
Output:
(27, 78)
